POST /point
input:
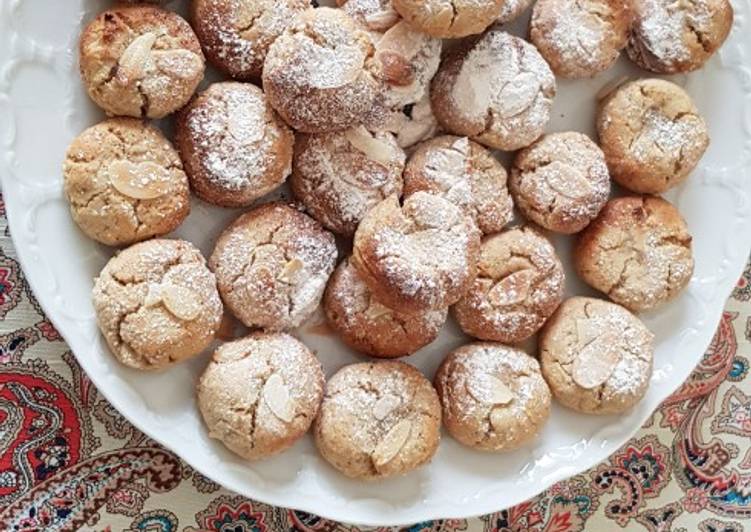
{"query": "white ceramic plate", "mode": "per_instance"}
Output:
(43, 106)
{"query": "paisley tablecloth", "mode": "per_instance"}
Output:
(69, 461)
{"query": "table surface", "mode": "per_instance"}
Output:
(69, 461)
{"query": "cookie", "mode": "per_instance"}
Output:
(320, 74)
(235, 147)
(272, 264)
(671, 37)
(464, 173)
(373, 15)
(125, 182)
(493, 397)
(652, 135)
(449, 19)
(378, 420)
(519, 284)
(596, 356)
(496, 89)
(157, 304)
(638, 252)
(367, 325)
(561, 182)
(417, 256)
(236, 34)
(580, 39)
(260, 394)
(140, 61)
(339, 177)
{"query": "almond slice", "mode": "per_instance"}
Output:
(597, 360)
(376, 310)
(518, 94)
(153, 295)
(512, 289)
(276, 395)
(385, 405)
(372, 147)
(488, 389)
(392, 443)
(289, 271)
(587, 329)
(181, 301)
(499, 419)
(142, 181)
(382, 19)
(567, 180)
(134, 60)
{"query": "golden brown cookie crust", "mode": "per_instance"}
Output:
(367, 325)
(260, 394)
(140, 61)
(125, 182)
(449, 19)
(638, 252)
(493, 397)
(607, 337)
(378, 420)
(157, 303)
(519, 284)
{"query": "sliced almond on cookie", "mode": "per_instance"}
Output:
(567, 180)
(376, 310)
(153, 295)
(374, 148)
(290, 270)
(488, 389)
(499, 419)
(518, 94)
(385, 405)
(134, 60)
(512, 289)
(142, 181)
(276, 395)
(595, 363)
(181, 301)
(587, 329)
(392, 443)
(381, 20)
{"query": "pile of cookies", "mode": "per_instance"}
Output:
(386, 140)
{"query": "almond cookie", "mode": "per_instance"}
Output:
(419, 256)
(369, 326)
(652, 135)
(670, 37)
(260, 394)
(493, 396)
(339, 177)
(374, 15)
(519, 284)
(464, 173)
(140, 61)
(156, 304)
(272, 265)
(596, 356)
(378, 420)
(320, 74)
(449, 19)
(236, 34)
(638, 252)
(125, 182)
(234, 145)
(560, 182)
(580, 38)
(496, 89)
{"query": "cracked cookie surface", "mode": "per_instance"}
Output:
(519, 284)
(449, 19)
(652, 135)
(670, 36)
(418, 256)
(125, 182)
(561, 182)
(157, 303)
(580, 38)
(261, 393)
(369, 326)
(272, 264)
(496, 89)
(339, 177)
(596, 356)
(378, 420)
(320, 74)
(236, 34)
(140, 61)
(234, 145)
(638, 252)
(493, 396)
(464, 173)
